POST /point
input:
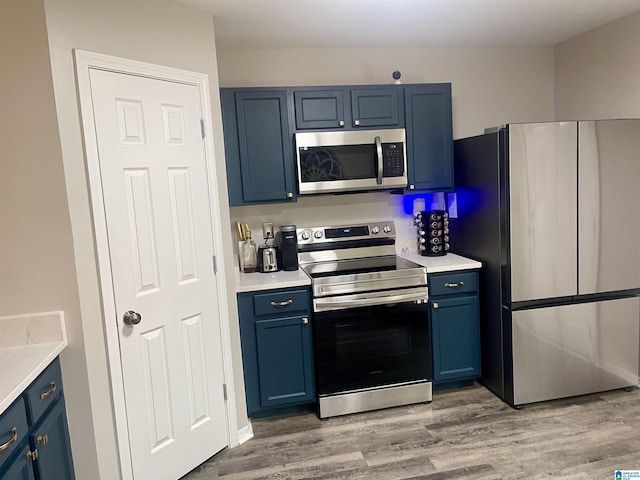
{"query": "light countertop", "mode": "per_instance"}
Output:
(252, 282)
(28, 344)
(446, 263)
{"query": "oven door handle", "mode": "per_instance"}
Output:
(342, 303)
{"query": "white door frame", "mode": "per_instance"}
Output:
(84, 61)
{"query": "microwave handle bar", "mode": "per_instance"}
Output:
(380, 164)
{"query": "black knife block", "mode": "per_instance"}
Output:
(433, 233)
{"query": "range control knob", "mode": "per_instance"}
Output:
(305, 235)
(375, 229)
(386, 229)
(317, 234)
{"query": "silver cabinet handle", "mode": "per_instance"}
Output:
(289, 195)
(435, 306)
(356, 123)
(282, 304)
(305, 320)
(341, 123)
(454, 285)
(14, 437)
(412, 187)
(48, 393)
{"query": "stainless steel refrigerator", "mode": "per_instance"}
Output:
(553, 212)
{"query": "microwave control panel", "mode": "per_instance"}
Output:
(392, 159)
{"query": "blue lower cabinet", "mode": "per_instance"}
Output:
(51, 439)
(20, 469)
(277, 350)
(455, 329)
(34, 435)
(285, 361)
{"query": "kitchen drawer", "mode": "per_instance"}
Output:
(453, 283)
(13, 429)
(277, 303)
(44, 391)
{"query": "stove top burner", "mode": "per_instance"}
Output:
(389, 263)
(358, 260)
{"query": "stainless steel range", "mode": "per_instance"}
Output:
(370, 323)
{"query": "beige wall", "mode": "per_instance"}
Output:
(36, 246)
(598, 72)
(490, 86)
(158, 32)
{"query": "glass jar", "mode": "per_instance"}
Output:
(249, 256)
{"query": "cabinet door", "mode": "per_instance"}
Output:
(51, 439)
(375, 107)
(319, 109)
(258, 146)
(13, 430)
(456, 338)
(285, 361)
(20, 469)
(429, 137)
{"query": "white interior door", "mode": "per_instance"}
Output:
(156, 201)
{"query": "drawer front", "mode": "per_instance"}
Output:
(44, 391)
(13, 429)
(453, 283)
(276, 303)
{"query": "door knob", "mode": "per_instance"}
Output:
(131, 318)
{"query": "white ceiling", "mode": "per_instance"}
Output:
(405, 23)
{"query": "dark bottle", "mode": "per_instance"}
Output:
(289, 247)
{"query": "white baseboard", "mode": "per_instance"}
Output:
(245, 433)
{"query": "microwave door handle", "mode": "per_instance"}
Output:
(380, 164)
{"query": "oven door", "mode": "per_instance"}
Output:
(350, 160)
(371, 346)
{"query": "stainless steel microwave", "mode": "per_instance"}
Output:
(351, 161)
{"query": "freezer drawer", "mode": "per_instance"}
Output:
(575, 349)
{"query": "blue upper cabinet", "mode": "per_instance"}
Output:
(429, 137)
(319, 109)
(259, 124)
(258, 146)
(376, 107)
(348, 107)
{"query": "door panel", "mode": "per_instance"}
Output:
(429, 137)
(285, 361)
(543, 210)
(155, 189)
(266, 155)
(375, 107)
(609, 224)
(574, 349)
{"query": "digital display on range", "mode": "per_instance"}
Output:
(346, 232)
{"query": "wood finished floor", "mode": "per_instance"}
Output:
(463, 434)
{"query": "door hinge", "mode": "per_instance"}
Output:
(215, 265)
(202, 127)
(33, 455)
(224, 391)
